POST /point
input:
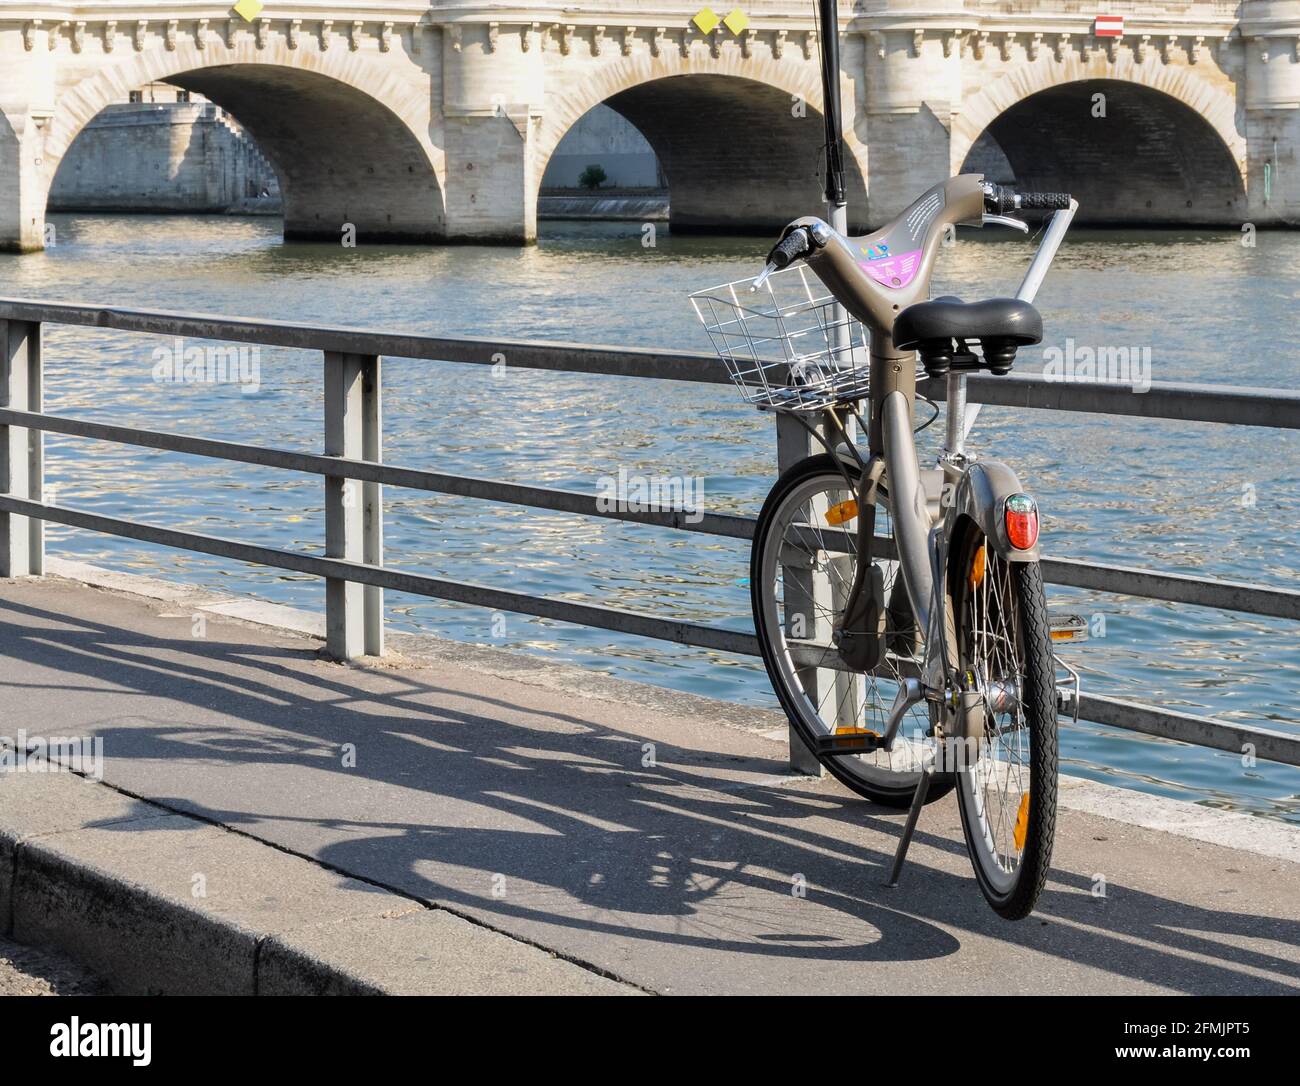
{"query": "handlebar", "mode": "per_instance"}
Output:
(877, 275)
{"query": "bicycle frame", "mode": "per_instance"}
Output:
(978, 489)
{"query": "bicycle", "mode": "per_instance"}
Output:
(900, 611)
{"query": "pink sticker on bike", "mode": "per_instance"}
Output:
(895, 272)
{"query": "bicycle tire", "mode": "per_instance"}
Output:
(1012, 892)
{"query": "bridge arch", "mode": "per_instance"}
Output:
(349, 140)
(737, 150)
(1167, 149)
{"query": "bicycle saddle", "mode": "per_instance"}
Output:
(1001, 325)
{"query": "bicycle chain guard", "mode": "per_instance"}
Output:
(860, 640)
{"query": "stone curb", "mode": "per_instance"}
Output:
(159, 903)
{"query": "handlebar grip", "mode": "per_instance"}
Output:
(1045, 201)
(1004, 200)
(794, 245)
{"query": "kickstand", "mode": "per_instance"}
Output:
(914, 813)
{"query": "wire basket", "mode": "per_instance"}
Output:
(788, 345)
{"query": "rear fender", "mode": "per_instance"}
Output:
(981, 495)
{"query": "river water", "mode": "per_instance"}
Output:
(1211, 500)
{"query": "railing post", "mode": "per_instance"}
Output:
(793, 444)
(372, 499)
(22, 472)
(353, 514)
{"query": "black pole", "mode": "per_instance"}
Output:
(828, 18)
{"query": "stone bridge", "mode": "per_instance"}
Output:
(425, 123)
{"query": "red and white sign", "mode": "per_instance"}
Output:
(1109, 26)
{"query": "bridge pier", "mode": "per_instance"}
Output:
(1273, 189)
(22, 197)
(1272, 108)
(493, 90)
(23, 183)
(488, 153)
(912, 90)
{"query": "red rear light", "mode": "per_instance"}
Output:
(1022, 521)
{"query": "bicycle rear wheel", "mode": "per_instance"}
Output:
(802, 567)
(1006, 788)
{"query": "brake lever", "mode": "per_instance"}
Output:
(761, 278)
(1005, 220)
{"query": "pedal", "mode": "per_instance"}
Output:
(1067, 627)
(1069, 689)
(848, 741)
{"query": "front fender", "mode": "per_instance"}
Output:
(981, 494)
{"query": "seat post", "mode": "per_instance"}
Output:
(954, 443)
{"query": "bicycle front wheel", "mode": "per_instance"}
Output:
(802, 569)
(1006, 786)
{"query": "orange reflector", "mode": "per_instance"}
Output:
(977, 568)
(844, 730)
(1022, 821)
(844, 511)
(1022, 521)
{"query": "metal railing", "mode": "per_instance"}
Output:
(353, 565)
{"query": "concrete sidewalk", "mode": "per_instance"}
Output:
(464, 819)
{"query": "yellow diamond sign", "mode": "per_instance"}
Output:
(248, 9)
(736, 21)
(706, 20)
